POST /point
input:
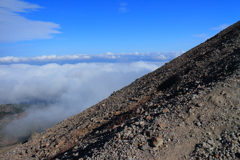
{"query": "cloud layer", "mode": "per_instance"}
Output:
(65, 89)
(15, 27)
(107, 57)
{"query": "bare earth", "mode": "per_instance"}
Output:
(187, 109)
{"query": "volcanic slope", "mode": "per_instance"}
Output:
(187, 109)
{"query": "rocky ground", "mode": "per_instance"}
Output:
(187, 109)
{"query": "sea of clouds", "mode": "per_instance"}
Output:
(91, 58)
(64, 90)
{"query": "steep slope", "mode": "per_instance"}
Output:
(187, 109)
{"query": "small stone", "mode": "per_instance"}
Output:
(141, 122)
(157, 141)
(117, 113)
(47, 144)
(118, 135)
(199, 124)
(209, 133)
(143, 147)
(161, 125)
(165, 110)
(211, 142)
(114, 126)
(200, 105)
(138, 111)
(127, 133)
(205, 145)
(75, 154)
(148, 117)
(136, 123)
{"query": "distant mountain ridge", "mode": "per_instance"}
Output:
(187, 109)
(9, 113)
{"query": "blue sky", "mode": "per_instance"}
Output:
(41, 28)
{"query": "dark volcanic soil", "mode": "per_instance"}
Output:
(187, 109)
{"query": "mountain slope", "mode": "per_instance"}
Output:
(187, 109)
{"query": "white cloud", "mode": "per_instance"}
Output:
(161, 57)
(64, 57)
(26, 29)
(109, 53)
(127, 57)
(11, 59)
(123, 8)
(66, 89)
(18, 6)
(221, 27)
(123, 4)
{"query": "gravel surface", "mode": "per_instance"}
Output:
(187, 109)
